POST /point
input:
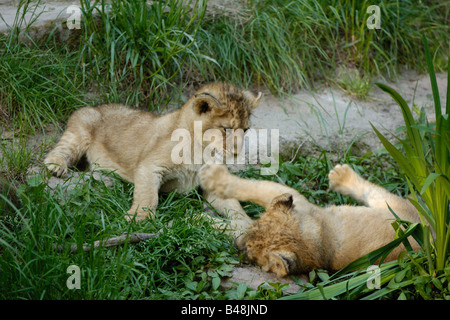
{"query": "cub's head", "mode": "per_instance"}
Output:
(274, 241)
(224, 111)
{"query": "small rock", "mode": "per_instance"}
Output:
(253, 276)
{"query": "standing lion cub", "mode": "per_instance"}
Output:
(295, 236)
(138, 145)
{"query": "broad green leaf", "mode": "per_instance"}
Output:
(412, 133)
(402, 296)
(292, 168)
(192, 285)
(424, 128)
(429, 180)
(240, 291)
(356, 284)
(215, 283)
(403, 163)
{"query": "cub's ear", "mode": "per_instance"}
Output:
(254, 99)
(283, 262)
(282, 203)
(204, 102)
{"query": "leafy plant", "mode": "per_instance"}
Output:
(426, 163)
(402, 279)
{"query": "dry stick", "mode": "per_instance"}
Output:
(114, 241)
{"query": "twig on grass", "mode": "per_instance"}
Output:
(114, 241)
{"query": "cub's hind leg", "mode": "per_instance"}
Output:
(74, 141)
(347, 182)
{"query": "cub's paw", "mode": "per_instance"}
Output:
(56, 164)
(343, 179)
(133, 216)
(216, 178)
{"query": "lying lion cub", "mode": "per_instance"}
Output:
(139, 145)
(295, 236)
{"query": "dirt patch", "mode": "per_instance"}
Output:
(329, 119)
(253, 277)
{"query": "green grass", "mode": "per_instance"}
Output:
(284, 45)
(38, 87)
(134, 51)
(188, 260)
(158, 269)
(145, 54)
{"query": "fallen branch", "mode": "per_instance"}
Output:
(114, 241)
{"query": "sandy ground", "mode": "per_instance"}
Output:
(331, 119)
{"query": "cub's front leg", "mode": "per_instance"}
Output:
(220, 181)
(147, 181)
(237, 220)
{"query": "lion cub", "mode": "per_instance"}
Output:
(138, 145)
(295, 236)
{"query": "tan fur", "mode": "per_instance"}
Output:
(137, 144)
(295, 236)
